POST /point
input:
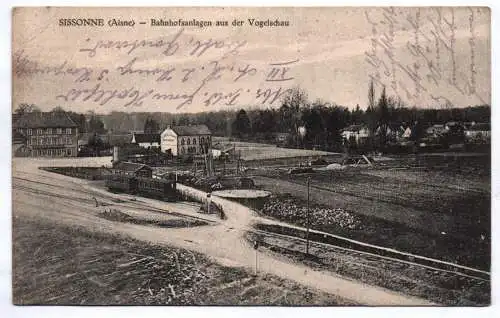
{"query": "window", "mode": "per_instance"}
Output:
(68, 131)
(194, 141)
(68, 151)
(59, 130)
(30, 131)
(189, 141)
(202, 140)
(182, 141)
(49, 131)
(39, 132)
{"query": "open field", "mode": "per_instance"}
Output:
(54, 264)
(406, 232)
(260, 151)
(438, 212)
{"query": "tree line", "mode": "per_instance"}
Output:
(322, 121)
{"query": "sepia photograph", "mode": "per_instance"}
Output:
(251, 156)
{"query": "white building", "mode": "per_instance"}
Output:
(407, 133)
(186, 140)
(478, 133)
(357, 134)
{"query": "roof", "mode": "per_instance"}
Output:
(354, 128)
(436, 127)
(480, 127)
(142, 137)
(130, 166)
(396, 127)
(191, 130)
(45, 120)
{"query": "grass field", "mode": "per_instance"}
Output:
(260, 151)
(54, 264)
(441, 209)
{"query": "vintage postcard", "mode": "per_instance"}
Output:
(333, 156)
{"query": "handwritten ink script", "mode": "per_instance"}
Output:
(415, 53)
(176, 70)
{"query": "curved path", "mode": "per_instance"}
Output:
(37, 193)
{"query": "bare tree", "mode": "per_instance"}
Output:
(26, 108)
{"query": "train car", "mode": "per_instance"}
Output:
(158, 188)
(122, 183)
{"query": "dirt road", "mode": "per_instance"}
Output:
(37, 193)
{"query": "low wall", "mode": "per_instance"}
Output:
(188, 193)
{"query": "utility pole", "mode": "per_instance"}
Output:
(238, 163)
(209, 202)
(176, 166)
(307, 216)
(256, 247)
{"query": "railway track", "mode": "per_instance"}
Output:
(396, 257)
(381, 253)
(103, 200)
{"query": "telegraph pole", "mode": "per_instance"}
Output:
(176, 166)
(307, 216)
(255, 247)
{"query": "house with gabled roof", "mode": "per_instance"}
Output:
(146, 140)
(355, 134)
(185, 141)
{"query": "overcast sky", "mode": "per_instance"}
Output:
(427, 57)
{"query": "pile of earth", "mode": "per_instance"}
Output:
(291, 209)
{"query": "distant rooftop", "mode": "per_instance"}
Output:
(44, 120)
(354, 128)
(191, 130)
(143, 137)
